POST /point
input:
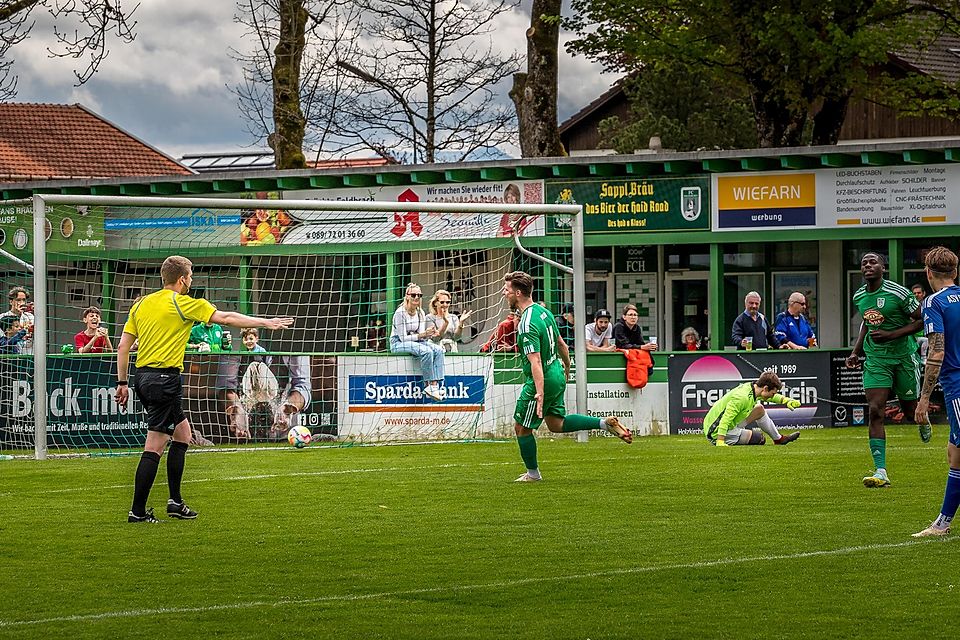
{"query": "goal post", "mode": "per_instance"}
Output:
(335, 265)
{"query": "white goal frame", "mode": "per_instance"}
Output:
(39, 267)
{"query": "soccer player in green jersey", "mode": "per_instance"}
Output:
(891, 315)
(728, 421)
(546, 368)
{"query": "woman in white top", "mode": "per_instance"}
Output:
(411, 334)
(449, 326)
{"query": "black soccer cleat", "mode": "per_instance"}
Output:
(180, 511)
(146, 517)
(787, 439)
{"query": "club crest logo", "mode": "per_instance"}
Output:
(690, 203)
(880, 302)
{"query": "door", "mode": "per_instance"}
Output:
(597, 294)
(687, 306)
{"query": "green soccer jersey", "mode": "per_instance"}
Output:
(538, 333)
(888, 308)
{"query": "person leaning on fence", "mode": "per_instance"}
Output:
(93, 339)
(19, 309)
(12, 335)
(504, 336)
(449, 326)
(411, 335)
(728, 421)
(161, 322)
(793, 329)
(751, 329)
(599, 332)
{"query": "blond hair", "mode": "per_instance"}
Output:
(436, 298)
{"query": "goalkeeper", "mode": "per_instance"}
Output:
(729, 419)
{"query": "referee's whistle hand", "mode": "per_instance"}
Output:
(121, 395)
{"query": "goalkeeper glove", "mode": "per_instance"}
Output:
(793, 404)
(722, 443)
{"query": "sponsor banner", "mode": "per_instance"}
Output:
(139, 228)
(846, 385)
(382, 398)
(81, 410)
(698, 381)
(651, 204)
(69, 229)
(875, 197)
(316, 227)
(644, 411)
(885, 197)
(758, 201)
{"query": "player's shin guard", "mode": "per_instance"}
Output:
(143, 481)
(176, 459)
(768, 427)
(577, 422)
(528, 450)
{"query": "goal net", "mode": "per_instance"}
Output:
(341, 267)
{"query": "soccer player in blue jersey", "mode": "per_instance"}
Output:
(941, 323)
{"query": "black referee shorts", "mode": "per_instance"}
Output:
(161, 393)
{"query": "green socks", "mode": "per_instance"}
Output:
(878, 448)
(528, 450)
(577, 422)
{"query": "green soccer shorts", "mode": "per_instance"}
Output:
(526, 412)
(902, 375)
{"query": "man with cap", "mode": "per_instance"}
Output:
(565, 324)
(599, 332)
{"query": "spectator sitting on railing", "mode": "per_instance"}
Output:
(94, 338)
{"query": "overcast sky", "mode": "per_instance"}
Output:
(171, 86)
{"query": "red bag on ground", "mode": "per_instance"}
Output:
(639, 367)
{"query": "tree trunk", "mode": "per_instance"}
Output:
(288, 120)
(534, 93)
(777, 124)
(829, 120)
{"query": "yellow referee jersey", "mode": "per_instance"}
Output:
(161, 322)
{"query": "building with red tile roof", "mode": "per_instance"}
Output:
(57, 141)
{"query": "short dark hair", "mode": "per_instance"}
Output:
(8, 321)
(769, 380)
(521, 281)
(88, 311)
(17, 291)
(249, 331)
(882, 258)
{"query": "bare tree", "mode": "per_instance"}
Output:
(81, 28)
(293, 52)
(534, 93)
(409, 79)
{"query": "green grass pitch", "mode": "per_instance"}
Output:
(667, 538)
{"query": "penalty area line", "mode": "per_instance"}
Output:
(503, 584)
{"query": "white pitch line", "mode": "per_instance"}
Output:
(504, 584)
(266, 476)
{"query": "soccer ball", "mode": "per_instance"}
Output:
(299, 437)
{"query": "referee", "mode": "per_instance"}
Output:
(162, 322)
